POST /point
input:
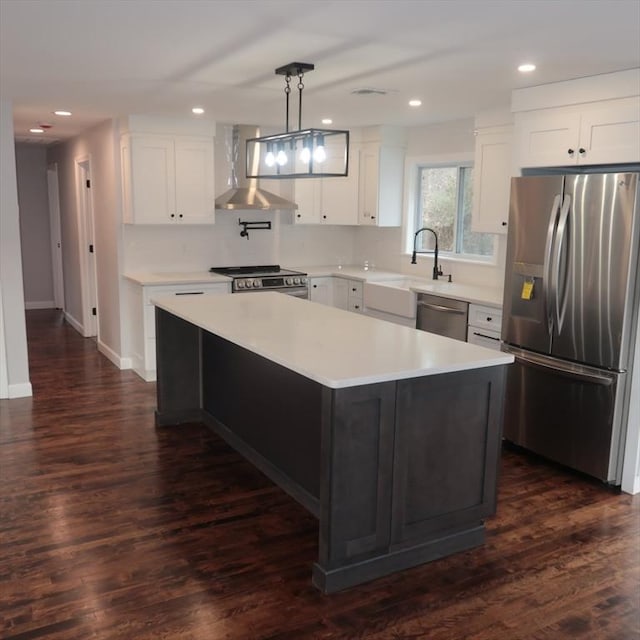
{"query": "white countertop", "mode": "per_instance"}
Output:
(175, 277)
(475, 294)
(333, 347)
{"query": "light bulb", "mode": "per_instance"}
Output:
(281, 158)
(319, 154)
(269, 159)
(305, 154)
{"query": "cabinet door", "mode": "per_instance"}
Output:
(548, 139)
(321, 290)
(611, 134)
(491, 182)
(341, 293)
(152, 180)
(340, 196)
(307, 197)
(369, 168)
(195, 198)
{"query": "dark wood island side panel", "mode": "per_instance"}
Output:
(398, 473)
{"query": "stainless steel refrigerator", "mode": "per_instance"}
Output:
(570, 317)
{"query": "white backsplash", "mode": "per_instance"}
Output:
(195, 248)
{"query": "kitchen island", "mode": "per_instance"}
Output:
(388, 435)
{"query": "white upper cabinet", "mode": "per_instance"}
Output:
(604, 132)
(492, 179)
(329, 200)
(381, 183)
(167, 179)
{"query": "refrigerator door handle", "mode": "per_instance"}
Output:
(559, 288)
(566, 369)
(547, 289)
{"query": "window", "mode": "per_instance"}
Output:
(444, 205)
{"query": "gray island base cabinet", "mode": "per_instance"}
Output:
(398, 472)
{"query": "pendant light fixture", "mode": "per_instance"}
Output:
(304, 153)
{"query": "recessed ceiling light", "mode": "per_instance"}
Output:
(198, 111)
(34, 130)
(415, 103)
(327, 121)
(62, 113)
(526, 68)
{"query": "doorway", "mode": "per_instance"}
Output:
(88, 271)
(56, 235)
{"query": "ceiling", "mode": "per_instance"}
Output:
(104, 58)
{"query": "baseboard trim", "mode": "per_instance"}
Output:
(20, 390)
(42, 304)
(110, 354)
(74, 323)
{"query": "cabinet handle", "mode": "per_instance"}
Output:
(315, 286)
(489, 318)
(180, 215)
(357, 306)
(324, 217)
(504, 224)
(570, 152)
(299, 215)
(189, 293)
(581, 151)
(173, 215)
(373, 217)
(354, 289)
(481, 335)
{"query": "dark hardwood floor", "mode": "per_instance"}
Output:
(111, 528)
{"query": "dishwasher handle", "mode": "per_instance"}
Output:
(440, 307)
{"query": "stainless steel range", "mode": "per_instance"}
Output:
(265, 278)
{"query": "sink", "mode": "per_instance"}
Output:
(391, 296)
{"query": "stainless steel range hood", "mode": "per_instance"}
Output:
(245, 193)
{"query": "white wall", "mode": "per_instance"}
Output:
(14, 361)
(99, 145)
(35, 235)
(451, 141)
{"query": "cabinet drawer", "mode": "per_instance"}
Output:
(484, 338)
(186, 289)
(355, 305)
(355, 289)
(489, 318)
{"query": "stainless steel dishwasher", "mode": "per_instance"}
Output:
(443, 316)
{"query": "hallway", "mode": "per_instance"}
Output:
(113, 529)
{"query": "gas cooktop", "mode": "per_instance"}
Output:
(255, 271)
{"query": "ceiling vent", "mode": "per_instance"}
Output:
(368, 91)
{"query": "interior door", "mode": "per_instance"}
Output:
(534, 210)
(592, 267)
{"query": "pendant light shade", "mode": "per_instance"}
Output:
(304, 153)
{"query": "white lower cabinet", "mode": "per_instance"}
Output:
(144, 339)
(347, 294)
(484, 326)
(321, 290)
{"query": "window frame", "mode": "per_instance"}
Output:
(413, 168)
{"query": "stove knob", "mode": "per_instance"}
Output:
(257, 284)
(303, 281)
(240, 284)
(288, 281)
(296, 281)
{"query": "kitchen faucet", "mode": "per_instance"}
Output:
(437, 271)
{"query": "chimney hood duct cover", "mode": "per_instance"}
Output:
(245, 193)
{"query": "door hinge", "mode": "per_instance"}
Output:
(94, 311)
(90, 248)
(88, 184)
